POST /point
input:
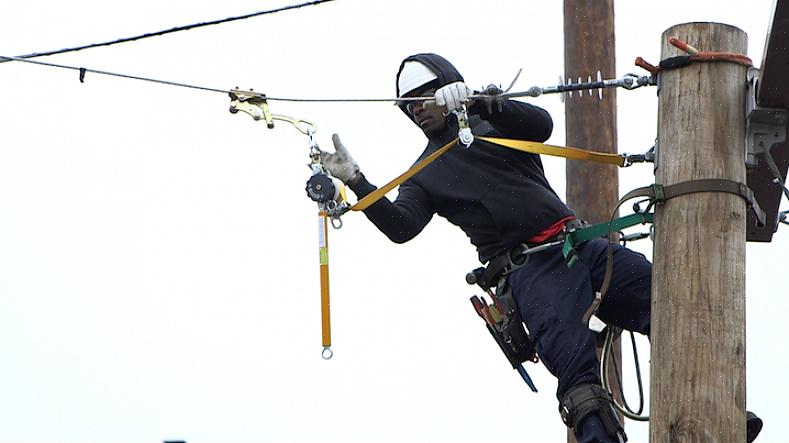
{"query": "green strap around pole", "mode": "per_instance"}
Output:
(602, 230)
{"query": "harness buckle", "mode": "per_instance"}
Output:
(517, 257)
(660, 195)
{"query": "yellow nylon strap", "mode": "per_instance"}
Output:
(519, 145)
(558, 151)
(376, 195)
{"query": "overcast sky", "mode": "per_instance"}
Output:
(158, 255)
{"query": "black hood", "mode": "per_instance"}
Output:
(440, 66)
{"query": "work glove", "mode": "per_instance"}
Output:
(453, 96)
(490, 103)
(340, 164)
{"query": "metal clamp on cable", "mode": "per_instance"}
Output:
(256, 105)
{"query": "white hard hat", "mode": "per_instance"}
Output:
(412, 76)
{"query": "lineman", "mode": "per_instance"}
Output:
(501, 199)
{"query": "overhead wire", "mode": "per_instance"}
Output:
(113, 74)
(82, 70)
(165, 31)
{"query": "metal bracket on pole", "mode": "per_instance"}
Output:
(764, 127)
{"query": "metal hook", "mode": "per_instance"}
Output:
(306, 127)
(327, 353)
(637, 206)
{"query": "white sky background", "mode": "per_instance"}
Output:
(158, 255)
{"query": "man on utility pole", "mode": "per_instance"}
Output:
(505, 205)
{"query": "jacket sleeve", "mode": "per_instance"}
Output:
(518, 120)
(402, 219)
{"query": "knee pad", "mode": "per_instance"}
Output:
(584, 400)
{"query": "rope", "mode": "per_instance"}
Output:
(166, 31)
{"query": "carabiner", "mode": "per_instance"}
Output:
(465, 135)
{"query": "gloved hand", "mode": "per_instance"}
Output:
(340, 164)
(491, 103)
(453, 96)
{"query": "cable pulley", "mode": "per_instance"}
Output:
(323, 188)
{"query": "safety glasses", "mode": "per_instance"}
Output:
(411, 104)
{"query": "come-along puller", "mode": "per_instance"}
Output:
(327, 191)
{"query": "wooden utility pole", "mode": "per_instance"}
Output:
(589, 46)
(698, 284)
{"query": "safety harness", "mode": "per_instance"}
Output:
(501, 317)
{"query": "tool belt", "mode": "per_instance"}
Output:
(502, 264)
(505, 325)
(502, 317)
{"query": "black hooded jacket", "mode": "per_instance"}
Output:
(498, 196)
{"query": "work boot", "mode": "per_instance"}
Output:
(753, 425)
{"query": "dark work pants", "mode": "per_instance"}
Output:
(552, 299)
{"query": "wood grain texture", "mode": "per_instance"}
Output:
(698, 284)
